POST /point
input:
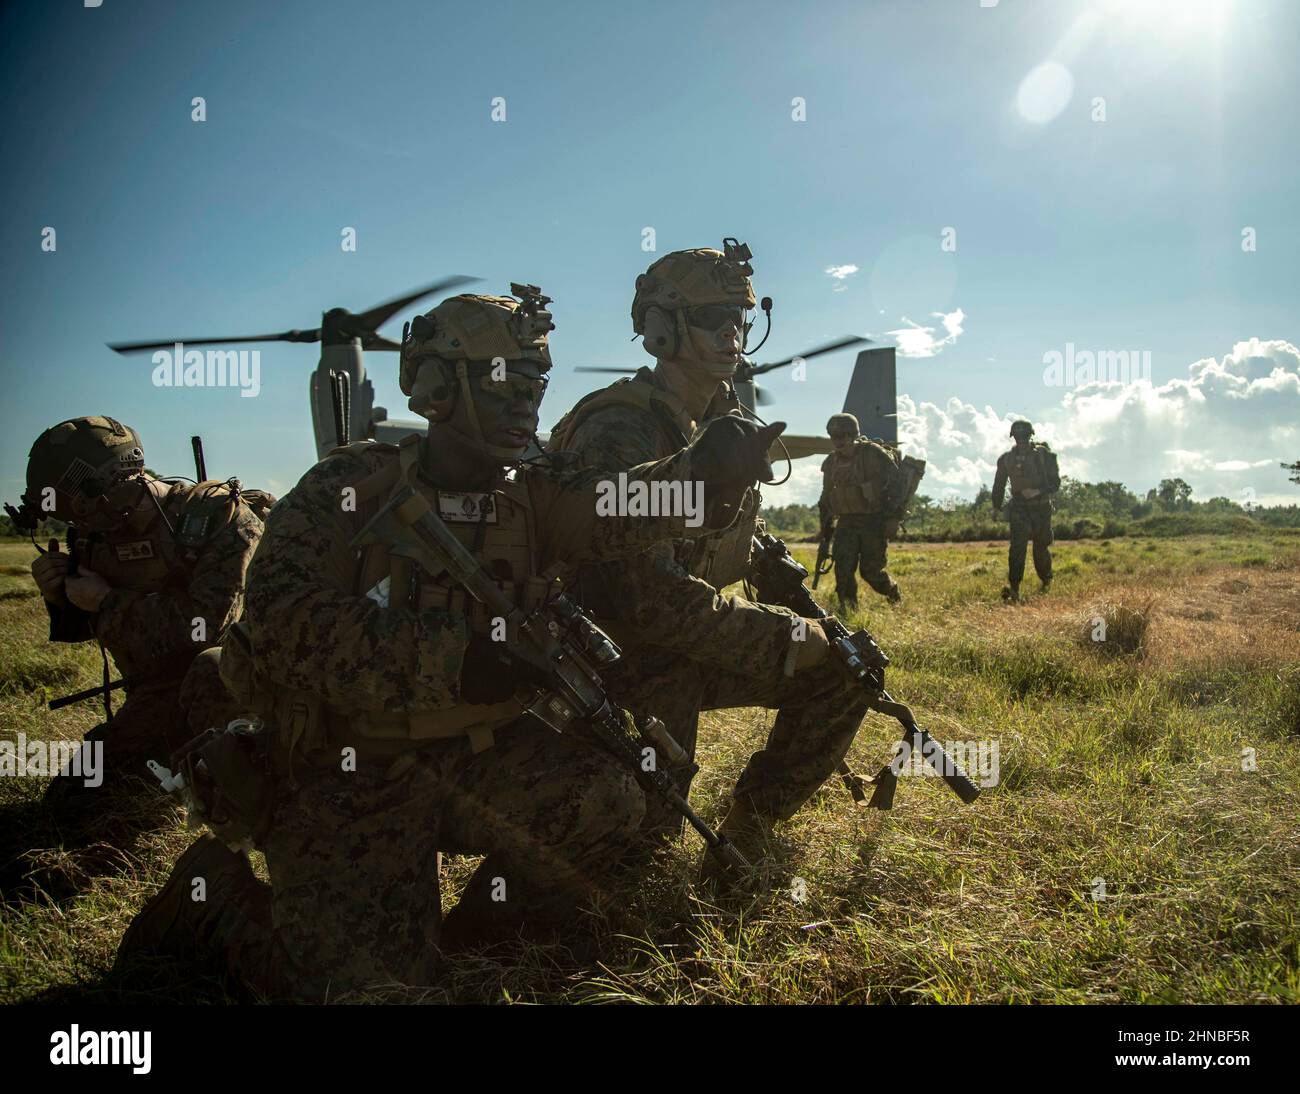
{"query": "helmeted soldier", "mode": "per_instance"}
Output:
(865, 491)
(154, 573)
(690, 646)
(394, 725)
(1031, 469)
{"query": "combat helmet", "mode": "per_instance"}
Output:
(689, 279)
(847, 421)
(456, 345)
(1022, 426)
(76, 472)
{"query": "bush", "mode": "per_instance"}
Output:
(1115, 628)
(1192, 524)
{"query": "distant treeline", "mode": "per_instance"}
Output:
(1084, 510)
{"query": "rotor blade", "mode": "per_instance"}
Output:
(377, 316)
(312, 335)
(620, 371)
(829, 347)
(378, 341)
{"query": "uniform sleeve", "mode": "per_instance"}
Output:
(999, 484)
(579, 518)
(189, 619)
(309, 630)
(653, 592)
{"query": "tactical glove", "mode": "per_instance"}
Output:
(730, 454)
(49, 572)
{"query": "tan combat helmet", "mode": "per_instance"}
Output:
(689, 279)
(461, 341)
(76, 471)
(845, 422)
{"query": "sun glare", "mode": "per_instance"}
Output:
(1180, 18)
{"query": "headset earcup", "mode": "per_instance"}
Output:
(433, 395)
(660, 338)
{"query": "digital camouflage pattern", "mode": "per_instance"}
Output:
(312, 631)
(351, 847)
(353, 902)
(691, 648)
(652, 600)
(863, 490)
(860, 547)
(174, 591)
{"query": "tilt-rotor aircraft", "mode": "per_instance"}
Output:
(342, 398)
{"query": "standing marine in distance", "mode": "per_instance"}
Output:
(159, 575)
(690, 646)
(393, 713)
(1030, 468)
(866, 488)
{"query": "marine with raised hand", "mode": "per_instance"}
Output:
(154, 573)
(865, 490)
(690, 646)
(394, 725)
(1031, 470)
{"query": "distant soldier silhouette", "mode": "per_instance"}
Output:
(1031, 469)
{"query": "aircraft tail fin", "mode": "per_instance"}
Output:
(873, 394)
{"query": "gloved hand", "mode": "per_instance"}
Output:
(730, 453)
(891, 528)
(87, 590)
(489, 674)
(49, 572)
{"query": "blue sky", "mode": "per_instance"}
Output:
(1115, 234)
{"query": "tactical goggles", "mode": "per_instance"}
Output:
(840, 435)
(514, 387)
(715, 316)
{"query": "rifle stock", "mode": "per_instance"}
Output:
(557, 639)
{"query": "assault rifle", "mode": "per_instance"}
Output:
(779, 579)
(557, 639)
(823, 564)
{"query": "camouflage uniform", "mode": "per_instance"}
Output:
(178, 582)
(350, 851)
(689, 647)
(1033, 466)
(861, 491)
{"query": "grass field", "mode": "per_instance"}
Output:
(1127, 854)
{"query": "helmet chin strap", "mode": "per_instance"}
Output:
(475, 437)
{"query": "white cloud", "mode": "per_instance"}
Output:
(1224, 428)
(915, 340)
(840, 274)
